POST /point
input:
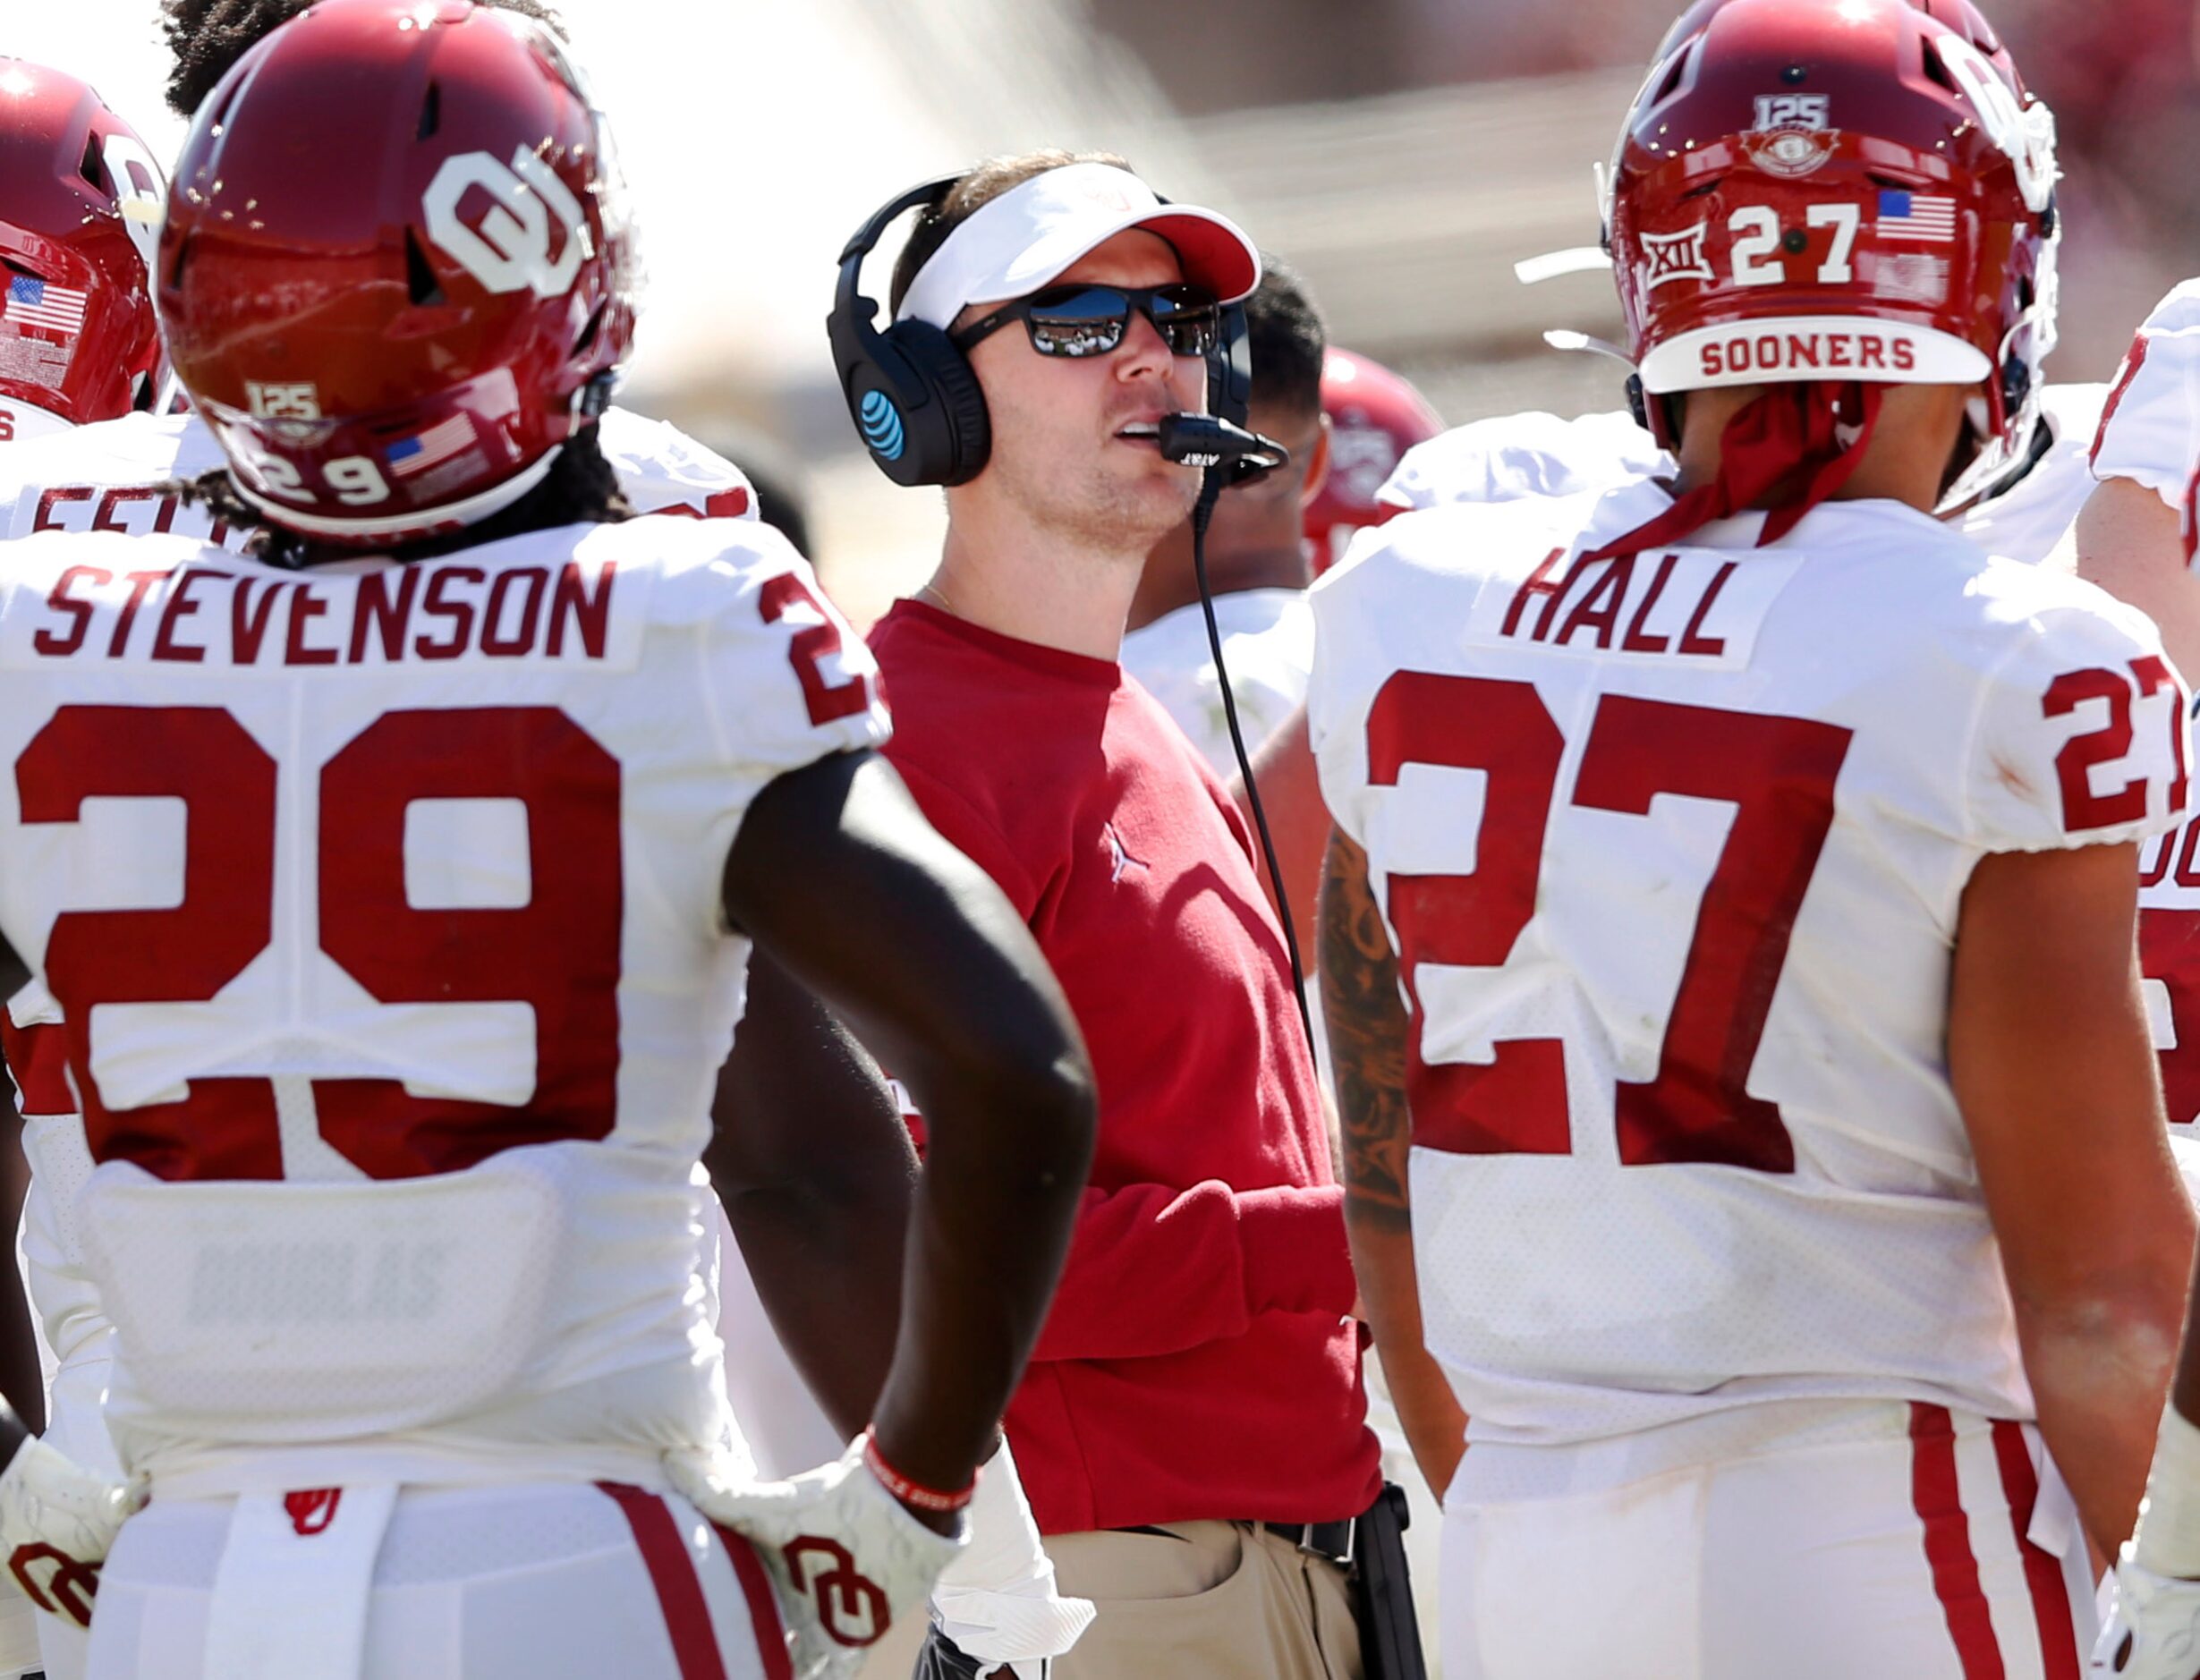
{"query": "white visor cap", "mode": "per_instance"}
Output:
(1013, 245)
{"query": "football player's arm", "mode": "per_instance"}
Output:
(46, 1498)
(2053, 1063)
(838, 877)
(2131, 543)
(1367, 1028)
(21, 1380)
(813, 1164)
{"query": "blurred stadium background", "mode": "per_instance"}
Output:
(1402, 154)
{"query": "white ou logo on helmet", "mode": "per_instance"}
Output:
(511, 248)
(140, 193)
(2027, 136)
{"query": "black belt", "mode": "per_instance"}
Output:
(1332, 1540)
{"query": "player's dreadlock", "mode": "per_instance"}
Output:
(581, 488)
(210, 36)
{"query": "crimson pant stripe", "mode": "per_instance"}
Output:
(1938, 1501)
(2051, 1598)
(672, 1571)
(763, 1605)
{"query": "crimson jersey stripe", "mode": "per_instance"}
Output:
(38, 1056)
(672, 1571)
(763, 1604)
(2051, 1598)
(1938, 1501)
(2134, 360)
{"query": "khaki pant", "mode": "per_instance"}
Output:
(1227, 1600)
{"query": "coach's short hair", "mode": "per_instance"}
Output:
(1288, 341)
(977, 189)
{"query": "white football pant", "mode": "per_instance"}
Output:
(1849, 1540)
(467, 1584)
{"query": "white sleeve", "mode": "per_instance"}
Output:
(786, 679)
(1515, 455)
(2150, 426)
(661, 470)
(2082, 735)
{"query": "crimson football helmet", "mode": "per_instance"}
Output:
(79, 210)
(395, 274)
(1374, 417)
(1840, 190)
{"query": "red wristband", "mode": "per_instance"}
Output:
(909, 1492)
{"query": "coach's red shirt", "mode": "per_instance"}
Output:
(1198, 1363)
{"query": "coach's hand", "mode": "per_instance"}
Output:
(57, 1521)
(847, 1556)
(2153, 1631)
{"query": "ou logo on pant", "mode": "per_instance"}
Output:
(510, 247)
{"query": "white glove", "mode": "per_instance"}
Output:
(56, 1522)
(846, 1555)
(2158, 1618)
(997, 1600)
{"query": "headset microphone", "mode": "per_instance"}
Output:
(1203, 440)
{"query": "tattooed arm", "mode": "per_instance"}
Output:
(1367, 1026)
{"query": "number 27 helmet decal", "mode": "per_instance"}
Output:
(1840, 190)
(395, 275)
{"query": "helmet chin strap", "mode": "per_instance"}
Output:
(421, 522)
(1819, 427)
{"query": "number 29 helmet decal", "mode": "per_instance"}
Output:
(1840, 190)
(395, 274)
(80, 205)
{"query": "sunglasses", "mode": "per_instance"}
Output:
(1077, 321)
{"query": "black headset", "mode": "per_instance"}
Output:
(912, 394)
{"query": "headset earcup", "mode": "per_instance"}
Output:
(918, 406)
(955, 411)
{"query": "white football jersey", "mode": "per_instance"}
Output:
(2150, 431)
(106, 476)
(1268, 643)
(1672, 848)
(1540, 454)
(382, 903)
(2150, 434)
